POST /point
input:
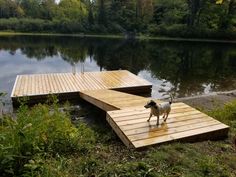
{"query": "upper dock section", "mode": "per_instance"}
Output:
(36, 86)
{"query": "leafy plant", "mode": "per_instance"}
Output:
(41, 130)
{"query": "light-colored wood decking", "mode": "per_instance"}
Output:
(129, 120)
(39, 85)
(126, 113)
(108, 100)
(184, 123)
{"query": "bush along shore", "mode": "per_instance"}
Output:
(42, 141)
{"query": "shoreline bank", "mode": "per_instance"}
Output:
(160, 38)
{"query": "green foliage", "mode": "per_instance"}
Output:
(227, 114)
(179, 18)
(38, 133)
(43, 142)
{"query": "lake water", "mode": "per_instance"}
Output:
(181, 68)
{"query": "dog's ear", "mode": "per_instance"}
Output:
(152, 102)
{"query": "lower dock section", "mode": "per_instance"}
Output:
(183, 124)
(128, 118)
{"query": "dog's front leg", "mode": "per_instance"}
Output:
(149, 117)
(157, 119)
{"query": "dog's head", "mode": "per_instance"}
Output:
(150, 104)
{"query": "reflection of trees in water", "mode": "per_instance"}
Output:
(39, 53)
(130, 55)
(187, 66)
(190, 67)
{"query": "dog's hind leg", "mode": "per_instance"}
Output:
(149, 117)
(164, 115)
(167, 114)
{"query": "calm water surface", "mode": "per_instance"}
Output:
(181, 68)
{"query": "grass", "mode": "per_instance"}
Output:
(98, 151)
(10, 33)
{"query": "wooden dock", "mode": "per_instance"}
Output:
(125, 112)
(128, 118)
(67, 85)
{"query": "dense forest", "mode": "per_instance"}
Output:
(174, 18)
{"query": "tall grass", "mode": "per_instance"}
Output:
(36, 133)
(227, 115)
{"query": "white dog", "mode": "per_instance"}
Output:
(159, 109)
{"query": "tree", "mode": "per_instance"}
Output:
(102, 16)
(10, 9)
(49, 9)
(32, 8)
(90, 14)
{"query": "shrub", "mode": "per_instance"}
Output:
(42, 130)
(227, 115)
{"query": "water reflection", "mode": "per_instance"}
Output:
(182, 68)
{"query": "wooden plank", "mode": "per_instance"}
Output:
(92, 83)
(113, 80)
(74, 81)
(138, 111)
(101, 84)
(96, 95)
(120, 134)
(130, 110)
(119, 82)
(24, 86)
(98, 103)
(162, 131)
(32, 84)
(41, 84)
(153, 121)
(198, 118)
(131, 78)
(14, 93)
(70, 80)
(180, 135)
(91, 86)
(120, 79)
(50, 83)
(144, 119)
(124, 78)
(59, 79)
(82, 81)
(146, 114)
(65, 82)
(46, 82)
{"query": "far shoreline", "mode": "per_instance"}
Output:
(117, 36)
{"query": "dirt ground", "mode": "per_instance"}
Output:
(209, 102)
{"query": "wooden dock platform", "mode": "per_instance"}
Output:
(67, 85)
(125, 112)
(128, 118)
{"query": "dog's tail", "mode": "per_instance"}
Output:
(171, 99)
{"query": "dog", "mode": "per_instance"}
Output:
(159, 109)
